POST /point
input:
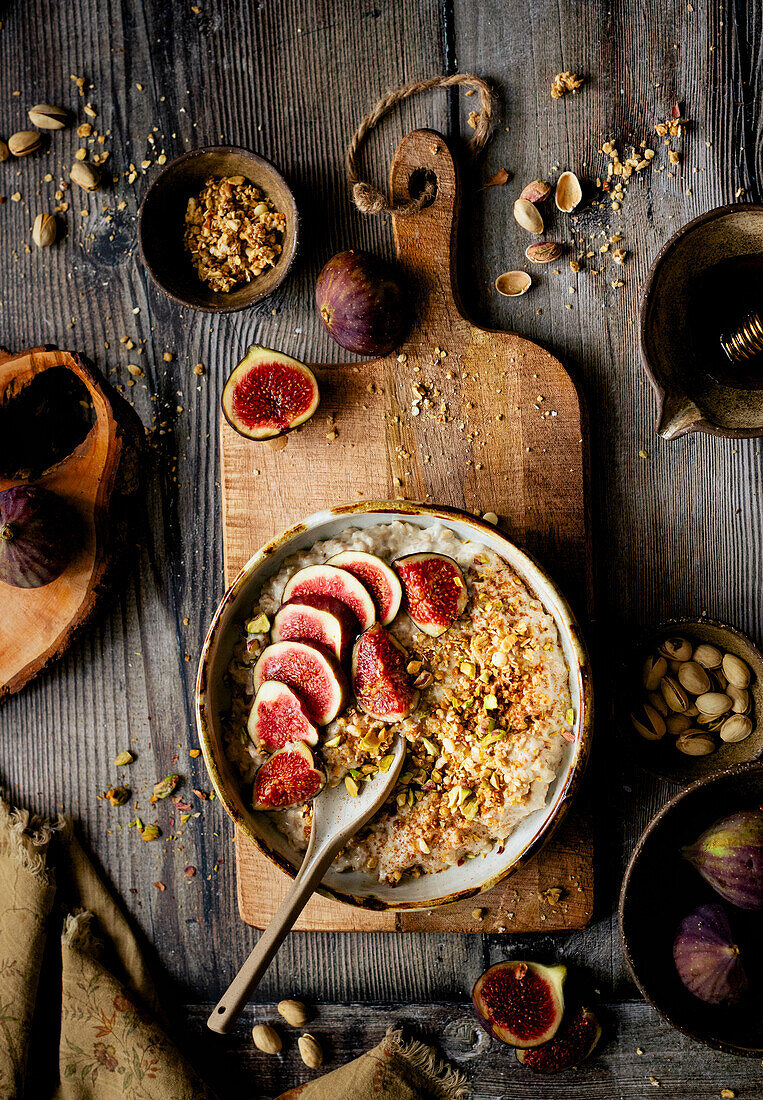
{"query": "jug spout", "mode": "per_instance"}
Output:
(678, 415)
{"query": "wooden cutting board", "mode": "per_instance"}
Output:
(499, 429)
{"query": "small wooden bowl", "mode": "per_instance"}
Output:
(660, 888)
(662, 758)
(161, 224)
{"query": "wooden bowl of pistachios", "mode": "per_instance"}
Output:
(695, 700)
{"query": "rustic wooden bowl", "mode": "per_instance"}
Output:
(160, 227)
(660, 888)
(689, 399)
(662, 758)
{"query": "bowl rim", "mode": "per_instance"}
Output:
(286, 260)
(564, 797)
(651, 826)
(646, 639)
(647, 292)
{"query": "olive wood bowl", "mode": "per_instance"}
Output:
(690, 400)
(662, 758)
(161, 224)
(660, 888)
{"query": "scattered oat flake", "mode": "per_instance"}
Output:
(501, 177)
(563, 83)
(643, 454)
(728, 1094)
(194, 753)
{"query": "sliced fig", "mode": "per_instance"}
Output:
(434, 591)
(575, 1041)
(520, 1003)
(287, 778)
(269, 394)
(311, 671)
(380, 678)
(382, 582)
(316, 618)
(279, 717)
(327, 580)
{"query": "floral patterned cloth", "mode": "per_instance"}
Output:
(78, 1009)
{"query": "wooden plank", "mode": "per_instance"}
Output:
(502, 432)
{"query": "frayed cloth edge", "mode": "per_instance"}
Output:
(30, 837)
(443, 1081)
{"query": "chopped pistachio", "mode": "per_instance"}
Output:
(117, 796)
(351, 785)
(332, 744)
(260, 625)
(123, 759)
(165, 787)
(150, 832)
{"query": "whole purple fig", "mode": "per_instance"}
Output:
(706, 957)
(729, 855)
(38, 536)
(362, 303)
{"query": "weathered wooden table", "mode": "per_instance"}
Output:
(677, 527)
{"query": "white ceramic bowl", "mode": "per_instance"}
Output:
(213, 699)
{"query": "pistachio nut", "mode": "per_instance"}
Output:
(513, 283)
(655, 699)
(86, 175)
(310, 1050)
(736, 671)
(46, 116)
(44, 230)
(648, 723)
(675, 649)
(718, 678)
(544, 252)
(713, 703)
(266, 1039)
(677, 723)
(4, 152)
(24, 142)
(709, 656)
(673, 694)
(693, 677)
(711, 722)
(693, 743)
(294, 1012)
(740, 699)
(568, 192)
(692, 710)
(655, 667)
(736, 728)
(528, 216)
(536, 192)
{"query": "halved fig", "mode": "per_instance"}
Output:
(573, 1043)
(327, 580)
(434, 591)
(520, 1003)
(380, 678)
(287, 778)
(269, 394)
(315, 618)
(311, 671)
(381, 581)
(279, 717)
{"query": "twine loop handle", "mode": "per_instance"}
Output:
(369, 199)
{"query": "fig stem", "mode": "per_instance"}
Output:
(7, 532)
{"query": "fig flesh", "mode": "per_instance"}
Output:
(327, 580)
(279, 717)
(381, 581)
(362, 303)
(706, 957)
(380, 678)
(575, 1041)
(316, 618)
(39, 531)
(729, 855)
(434, 591)
(287, 778)
(269, 394)
(309, 670)
(520, 1003)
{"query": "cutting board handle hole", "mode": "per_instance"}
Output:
(422, 179)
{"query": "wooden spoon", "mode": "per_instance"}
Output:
(336, 817)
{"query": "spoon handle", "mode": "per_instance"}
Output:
(314, 866)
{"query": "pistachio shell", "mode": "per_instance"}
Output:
(4, 151)
(310, 1051)
(44, 230)
(24, 142)
(46, 116)
(294, 1012)
(536, 192)
(677, 723)
(691, 711)
(713, 703)
(655, 667)
(693, 743)
(655, 699)
(673, 694)
(675, 649)
(544, 252)
(709, 656)
(740, 699)
(266, 1039)
(528, 216)
(85, 175)
(568, 192)
(513, 283)
(736, 671)
(694, 678)
(648, 723)
(736, 728)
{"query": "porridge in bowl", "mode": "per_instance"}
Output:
(397, 629)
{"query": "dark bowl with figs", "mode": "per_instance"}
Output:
(161, 227)
(690, 911)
